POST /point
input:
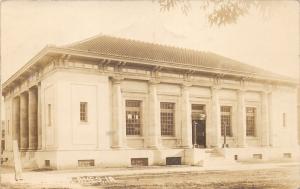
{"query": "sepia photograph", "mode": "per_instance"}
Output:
(152, 94)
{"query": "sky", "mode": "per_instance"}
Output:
(269, 41)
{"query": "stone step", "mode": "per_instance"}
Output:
(217, 162)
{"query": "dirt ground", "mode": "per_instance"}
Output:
(284, 177)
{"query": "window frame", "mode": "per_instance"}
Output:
(166, 133)
(230, 114)
(284, 119)
(49, 114)
(138, 109)
(83, 114)
(254, 116)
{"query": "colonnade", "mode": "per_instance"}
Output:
(25, 119)
(153, 138)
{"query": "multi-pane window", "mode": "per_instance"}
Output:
(7, 126)
(133, 117)
(83, 111)
(49, 115)
(250, 121)
(226, 113)
(283, 119)
(167, 118)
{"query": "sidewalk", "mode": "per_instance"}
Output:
(63, 178)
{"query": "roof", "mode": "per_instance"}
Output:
(108, 45)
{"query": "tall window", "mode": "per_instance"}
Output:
(49, 115)
(226, 114)
(167, 118)
(83, 111)
(133, 117)
(7, 126)
(283, 119)
(250, 121)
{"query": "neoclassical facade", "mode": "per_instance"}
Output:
(110, 101)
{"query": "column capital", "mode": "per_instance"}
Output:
(242, 90)
(186, 84)
(215, 87)
(153, 81)
(266, 91)
(117, 79)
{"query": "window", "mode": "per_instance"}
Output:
(250, 121)
(173, 160)
(226, 120)
(167, 118)
(47, 163)
(133, 117)
(49, 115)
(283, 119)
(3, 134)
(83, 111)
(7, 126)
(86, 163)
(139, 161)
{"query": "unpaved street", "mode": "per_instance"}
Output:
(281, 177)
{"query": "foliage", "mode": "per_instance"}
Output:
(219, 12)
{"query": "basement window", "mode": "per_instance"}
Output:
(257, 156)
(173, 161)
(139, 161)
(86, 163)
(47, 163)
(287, 155)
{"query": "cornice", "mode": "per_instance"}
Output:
(157, 65)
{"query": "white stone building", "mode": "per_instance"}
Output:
(109, 101)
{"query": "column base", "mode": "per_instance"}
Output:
(187, 146)
(154, 147)
(242, 146)
(117, 147)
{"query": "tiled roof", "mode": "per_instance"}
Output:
(104, 44)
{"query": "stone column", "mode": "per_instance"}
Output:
(154, 133)
(242, 142)
(40, 133)
(33, 118)
(117, 114)
(186, 117)
(24, 120)
(216, 119)
(265, 124)
(16, 120)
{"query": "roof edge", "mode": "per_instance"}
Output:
(29, 63)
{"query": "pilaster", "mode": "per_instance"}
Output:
(117, 113)
(154, 133)
(241, 115)
(186, 126)
(265, 124)
(215, 114)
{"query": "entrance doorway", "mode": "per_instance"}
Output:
(198, 126)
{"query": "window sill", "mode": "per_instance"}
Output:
(134, 137)
(168, 138)
(84, 123)
(252, 138)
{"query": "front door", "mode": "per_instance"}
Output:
(198, 133)
(198, 126)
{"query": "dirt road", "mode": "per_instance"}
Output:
(281, 177)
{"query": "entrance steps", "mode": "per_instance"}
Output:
(213, 158)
